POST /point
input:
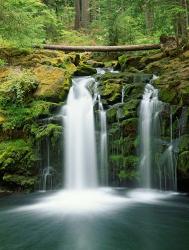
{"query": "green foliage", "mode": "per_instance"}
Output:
(2, 63)
(16, 151)
(17, 164)
(18, 88)
(111, 21)
(20, 181)
(129, 29)
(127, 175)
(52, 131)
(22, 116)
(25, 23)
(72, 37)
(21, 86)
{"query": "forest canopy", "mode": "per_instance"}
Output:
(91, 22)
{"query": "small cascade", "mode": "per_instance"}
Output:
(122, 94)
(168, 162)
(79, 137)
(48, 172)
(149, 125)
(168, 175)
(103, 144)
(183, 121)
(158, 162)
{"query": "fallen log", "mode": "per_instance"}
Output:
(101, 48)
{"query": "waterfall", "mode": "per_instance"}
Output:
(48, 172)
(122, 94)
(79, 136)
(149, 123)
(157, 157)
(103, 144)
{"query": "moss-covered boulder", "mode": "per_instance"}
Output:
(18, 88)
(126, 167)
(111, 92)
(125, 63)
(184, 143)
(183, 164)
(85, 70)
(17, 165)
(130, 127)
(111, 114)
(49, 130)
(121, 78)
(54, 84)
(95, 64)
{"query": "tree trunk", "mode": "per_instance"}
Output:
(102, 48)
(77, 14)
(81, 14)
(182, 21)
(149, 17)
(85, 14)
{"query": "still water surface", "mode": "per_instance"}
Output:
(125, 221)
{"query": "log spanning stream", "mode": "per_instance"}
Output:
(85, 216)
(101, 48)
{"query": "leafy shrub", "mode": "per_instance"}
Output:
(20, 86)
(2, 63)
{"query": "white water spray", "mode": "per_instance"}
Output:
(80, 145)
(103, 144)
(149, 111)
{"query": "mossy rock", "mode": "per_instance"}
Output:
(118, 77)
(184, 143)
(20, 117)
(111, 115)
(126, 62)
(9, 54)
(54, 84)
(114, 130)
(17, 164)
(154, 68)
(126, 165)
(52, 131)
(2, 119)
(134, 92)
(5, 72)
(85, 70)
(20, 182)
(33, 58)
(153, 58)
(168, 89)
(95, 64)
(168, 96)
(18, 88)
(128, 109)
(129, 127)
(184, 92)
(111, 92)
(128, 175)
(183, 164)
(124, 145)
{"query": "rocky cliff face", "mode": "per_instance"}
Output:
(33, 85)
(172, 69)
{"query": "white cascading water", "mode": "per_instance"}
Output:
(82, 194)
(149, 110)
(80, 149)
(155, 159)
(103, 144)
(48, 171)
(122, 94)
